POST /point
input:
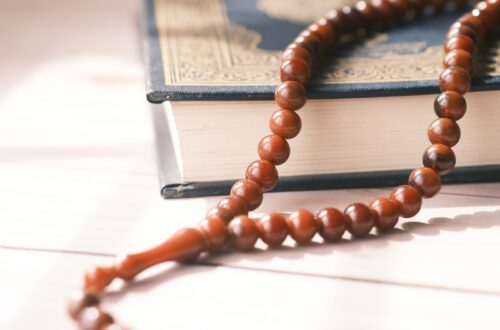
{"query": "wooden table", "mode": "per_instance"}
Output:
(78, 184)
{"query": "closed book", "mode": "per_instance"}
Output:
(213, 66)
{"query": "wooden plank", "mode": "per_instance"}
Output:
(203, 297)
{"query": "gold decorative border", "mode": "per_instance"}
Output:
(201, 47)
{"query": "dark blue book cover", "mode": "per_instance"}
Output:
(230, 49)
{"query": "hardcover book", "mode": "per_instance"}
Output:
(214, 66)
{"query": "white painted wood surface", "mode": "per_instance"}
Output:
(78, 184)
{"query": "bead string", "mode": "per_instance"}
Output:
(229, 222)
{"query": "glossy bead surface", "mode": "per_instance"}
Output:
(249, 191)
(296, 51)
(426, 181)
(458, 57)
(302, 226)
(338, 21)
(274, 148)
(368, 12)
(234, 205)
(460, 42)
(457, 29)
(290, 95)
(94, 318)
(264, 173)
(215, 233)
(219, 213)
(273, 229)
(455, 79)
(440, 158)
(445, 131)
(333, 224)
(243, 232)
(295, 69)
(474, 22)
(324, 31)
(285, 123)
(81, 300)
(385, 213)
(310, 42)
(451, 105)
(358, 23)
(385, 11)
(359, 220)
(407, 199)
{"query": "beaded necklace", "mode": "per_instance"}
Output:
(229, 224)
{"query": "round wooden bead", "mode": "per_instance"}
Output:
(460, 42)
(485, 14)
(93, 318)
(440, 158)
(290, 95)
(338, 21)
(385, 213)
(309, 41)
(81, 300)
(234, 205)
(357, 24)
(333, 224)
(451, 105)
(273, 229)
(296, 70)
(274, 148)
(264, 173)
(455, 79)
(296, 51)
(324, 31)
(368, 12)
(215, 233)
(302, 226)
(445, 131)
(359, 221)
(285, 123)
(249, 191)
(426, 181)
(474, 22)
(220, 213)
(458, 29)
(407, 199)
(243, 232)
(458, 57)
(386, 12)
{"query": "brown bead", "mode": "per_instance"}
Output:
(404, 9)
(296, 51)
(98, 278)
(273, 229)
(220, 213)
(243, 232)
(290, 95)
(274, 148)
(309, 41)
(264, 173)
(81, 300)
(385, 213)
(407, 199)
(426, 181)
(94, 318)
(249, 191)
(368, 12)
(460, 42)
(445, 131)
(285, 123)
(338, 21)
(296, 70)
(234, 205)
(302, 226)
(387, 14)
(450, 105)
(359, 221)
(455, 79)
(357, 24)
(324, 31)
(440, 158)
(333, 224)
(215, 232)
(458, 29)
(458, 57)
(474, 22)
(485, 14)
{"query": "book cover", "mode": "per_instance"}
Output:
(230, 49)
